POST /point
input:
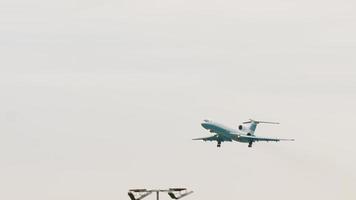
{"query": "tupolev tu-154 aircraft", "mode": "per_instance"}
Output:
(245, 133)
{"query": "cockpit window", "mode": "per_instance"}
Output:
(205, 120)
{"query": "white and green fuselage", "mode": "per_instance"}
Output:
(244, 133)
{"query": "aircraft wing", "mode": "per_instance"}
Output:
(215, 138)
(257, 139)
(212, 138)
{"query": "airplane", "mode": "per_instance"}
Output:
(245, 133)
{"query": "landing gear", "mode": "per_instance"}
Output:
(219, 144)
(250, 144)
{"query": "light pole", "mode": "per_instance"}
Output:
(174, 193)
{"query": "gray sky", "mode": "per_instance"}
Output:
(101, 96)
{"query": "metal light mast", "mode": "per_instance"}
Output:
(174, 193)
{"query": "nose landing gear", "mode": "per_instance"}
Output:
(250, 144)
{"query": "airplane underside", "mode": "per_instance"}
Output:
(249, 143)
(244, 133)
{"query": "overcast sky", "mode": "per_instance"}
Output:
(98, 97)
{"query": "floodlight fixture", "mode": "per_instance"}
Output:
(177, 189)
(174, 193)
(138, 194)
(177, 193)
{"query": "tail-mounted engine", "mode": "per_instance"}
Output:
(244, 128)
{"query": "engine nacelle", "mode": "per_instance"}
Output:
(244, 128)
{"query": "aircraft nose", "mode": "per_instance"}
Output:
(204, 125)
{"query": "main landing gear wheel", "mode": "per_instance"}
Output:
(250, 144)
(219, 144)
